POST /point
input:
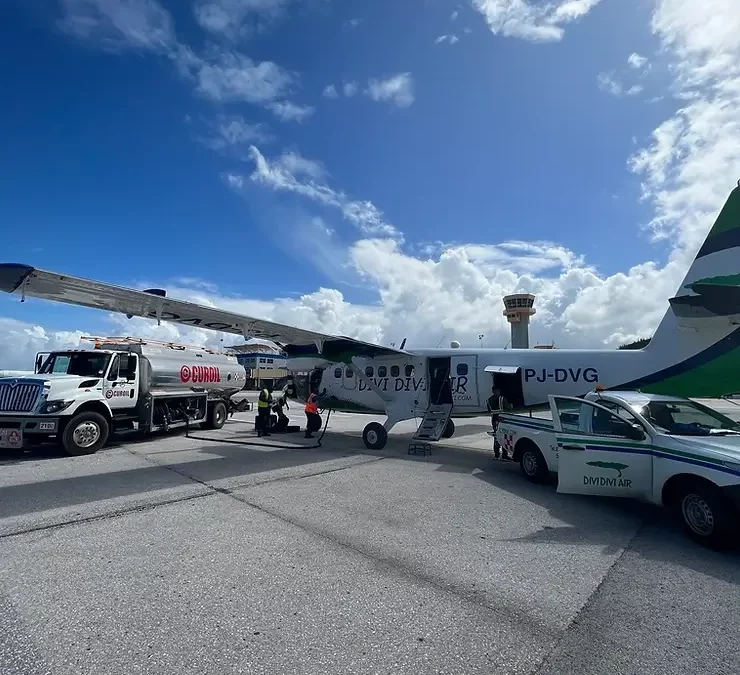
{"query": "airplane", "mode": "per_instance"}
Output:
(694, 351)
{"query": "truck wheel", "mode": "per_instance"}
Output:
(217, 416)
(449, 429)
(706, 515)
(374, 436)
(533, 464)
(85, 433)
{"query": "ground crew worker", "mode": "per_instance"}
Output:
(264, 405)
(495, 403)
(282, 421)
(313, 421)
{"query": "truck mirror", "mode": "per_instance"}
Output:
(635, 432)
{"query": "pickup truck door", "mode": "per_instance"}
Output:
(600, 453)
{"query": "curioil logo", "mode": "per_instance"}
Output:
(200, 374)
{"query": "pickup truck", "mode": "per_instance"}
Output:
(666, 450)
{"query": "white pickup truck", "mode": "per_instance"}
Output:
(661, 449)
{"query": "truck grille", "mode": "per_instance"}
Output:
(19, 397)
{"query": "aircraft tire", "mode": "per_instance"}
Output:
(374, 436)
(449, 429)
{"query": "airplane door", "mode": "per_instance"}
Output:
(440, 386)
(349, 379)
(464, 376)
(600, 453)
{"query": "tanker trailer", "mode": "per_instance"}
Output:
(79, 396)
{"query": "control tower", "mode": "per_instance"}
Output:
(519, 307)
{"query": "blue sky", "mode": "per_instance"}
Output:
(111, 167)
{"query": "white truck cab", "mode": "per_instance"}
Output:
(661, 449)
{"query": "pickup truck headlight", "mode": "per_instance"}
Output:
(51, 407)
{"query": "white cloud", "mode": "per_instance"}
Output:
(530, 20)
(452, 39)
(397, 89)
(119, 25)
(693, 159)
(21, 341)
(233, 132)
(454, 15)
(609, 84)
(330, 91)
(350, 89)
(285, 175)
(636, 61)
(288, 111)
(234, 19)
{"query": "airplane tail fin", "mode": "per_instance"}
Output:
(700, 332)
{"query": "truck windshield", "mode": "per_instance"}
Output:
(85, 364)
(687, 418)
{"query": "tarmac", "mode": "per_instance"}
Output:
(199, 554)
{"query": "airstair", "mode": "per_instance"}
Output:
(431, 428)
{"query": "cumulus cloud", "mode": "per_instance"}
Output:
(530, 20)
(330, 91)
(397, 89)
(636, 61)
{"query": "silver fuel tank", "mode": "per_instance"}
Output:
(170, 368)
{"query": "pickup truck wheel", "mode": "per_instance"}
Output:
(533, 464)
(217, 415)
(85, 433)
(706, 515)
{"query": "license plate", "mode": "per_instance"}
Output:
(11, 438)
(47, 426)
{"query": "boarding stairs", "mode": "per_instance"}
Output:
(431, 428)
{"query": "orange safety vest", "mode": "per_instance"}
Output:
(311, 406)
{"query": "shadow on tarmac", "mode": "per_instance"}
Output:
(658, 538)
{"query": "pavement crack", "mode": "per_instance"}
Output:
(104, 516)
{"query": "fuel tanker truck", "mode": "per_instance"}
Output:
(79, 396)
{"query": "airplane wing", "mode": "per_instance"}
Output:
(25, 280)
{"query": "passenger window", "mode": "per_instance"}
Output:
(409, 371)
(462, 368)
(382, 371)
(348, 373)
(369, 371)
(337, 372)
(395, 371)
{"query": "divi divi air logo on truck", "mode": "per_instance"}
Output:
(200, 374)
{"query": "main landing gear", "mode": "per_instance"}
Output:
(375, 435)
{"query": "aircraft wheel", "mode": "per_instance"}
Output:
(374, 436)
(449, 429)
